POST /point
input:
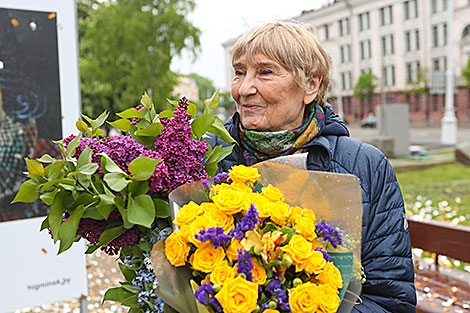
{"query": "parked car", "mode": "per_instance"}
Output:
(369, 121)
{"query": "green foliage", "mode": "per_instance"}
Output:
(205, 85)
(365, 85)
(126, 47)
(422, 85)
(466, 73)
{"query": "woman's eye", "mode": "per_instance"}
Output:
(238, 72)
(266, 72)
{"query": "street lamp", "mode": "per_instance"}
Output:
(449, 121)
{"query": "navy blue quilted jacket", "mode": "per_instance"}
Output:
(386, 248)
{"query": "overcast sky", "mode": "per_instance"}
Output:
(221, 20)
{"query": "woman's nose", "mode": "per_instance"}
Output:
(248, 86)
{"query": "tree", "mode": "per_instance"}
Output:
(205, 86)
(466, 78)
(422, 87)
(364, 88)
(126, 48)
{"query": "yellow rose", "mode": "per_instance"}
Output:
(241, 188)
(299, 249)
(302, 213)
(315, 263)
(238, 296)
(280, 211)
(221, 273)
(244, 174)
(232, 250)
(187, 214)
(261, 204)
(216, 188)
(221, 219)
(206, 257)
(273, 194)
(201, 222)
(207, 206)
(176, 250)
(230, 201)
(185, 233)
(305, 298)
(259, 272)
(330, 275)
(317, 244)
(270, 311)
(305, 227)
(329, 299)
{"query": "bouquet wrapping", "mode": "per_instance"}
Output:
(298, 251)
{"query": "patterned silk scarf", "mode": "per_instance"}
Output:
(267, 145)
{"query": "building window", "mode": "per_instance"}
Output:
(343, 27)
(438, 6)
(346, 80)
(386, 15)
(439, 64)
(412, 40)
(388, 75)
(365, 49)
(439, 35)
(410, 9)
(364, 21)
(366, 70)
(326, 33)
(412, 72)
(345, 53)
(387, 45)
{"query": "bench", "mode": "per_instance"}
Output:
(440, 288)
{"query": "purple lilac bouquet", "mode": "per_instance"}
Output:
(113, 191)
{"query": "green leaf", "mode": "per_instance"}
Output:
(99, 121)
(192, 109)
(213, 101)
(269, 227)
(99, 132)
(81, 126)
(116, 181)
(152, 130)
(106, 205)
(146, 101)
(72, 146)
(92, 213)
(138, 188)
(88, 169)
(121, 124)
(130, 113)
(118, 294)
(166, 113)
(141, 210)
(142, 168)
(91, 249)
(44, 224)
(132, 288)
(132, 302)
(109, 164)
(173, 102)
(28, 192)
(128, 273)
(211, 169)
(85, 157)
(56, 212)
(202, 123)
(48, 197)
(162, 208)
(68, 229)
(46, 158)
(110, 234)
(217, 128)
(35, 168)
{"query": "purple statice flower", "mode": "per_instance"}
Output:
(96, 147)
(264, 307)
(282, 299)
(274, 285)
(245, 266)
(90, 229)
(215, 235)
(123, 150)
(325, 254)
(221, 177)
(129, 238)
(183, 156)
(135, 120)
(206, 183)
(248, 222)
(216, 303)
(329, 234)
(204, 293)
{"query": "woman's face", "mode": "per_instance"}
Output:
(267, 95)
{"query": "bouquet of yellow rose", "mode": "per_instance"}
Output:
(246, 248)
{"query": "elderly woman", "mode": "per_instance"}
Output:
(280, 86)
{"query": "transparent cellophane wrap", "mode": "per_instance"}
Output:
(335, 198)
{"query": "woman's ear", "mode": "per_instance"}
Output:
(312, 89)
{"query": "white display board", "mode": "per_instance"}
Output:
(31, 273)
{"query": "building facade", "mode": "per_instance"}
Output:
(403, 43)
